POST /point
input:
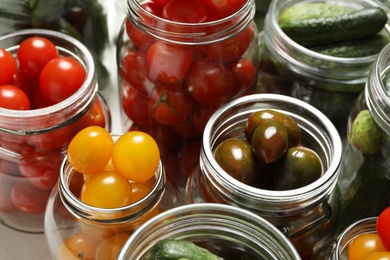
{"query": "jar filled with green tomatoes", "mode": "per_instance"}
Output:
(321, 51)
(208, 230)
(285, 176)
(48, 92)
(110, 184)
(178, 61)
(365, 175)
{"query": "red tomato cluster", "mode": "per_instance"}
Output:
(373, 246)
(38, 77)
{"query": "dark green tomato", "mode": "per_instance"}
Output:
(293, 130)
(269, 141)
(300, 167)
(236, 158)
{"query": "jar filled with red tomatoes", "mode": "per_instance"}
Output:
(48, 92)
(286, 173)
(225, 231)
(179, 61)
(110, 184)
(321, 51)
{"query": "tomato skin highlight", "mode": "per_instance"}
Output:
(383, 227)
(185, 11)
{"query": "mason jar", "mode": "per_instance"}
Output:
(102, 230)
(327, 82)
(305, 215)
(224, 230)
(174, 75)
(365, 175)
(33, 142)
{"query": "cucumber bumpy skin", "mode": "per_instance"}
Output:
(319, 31)
(177, 249)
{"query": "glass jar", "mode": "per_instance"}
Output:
(305, 215)
(67, 218)
(365, 176)
(338, 249)
(227, 231)
(173, 76)
(329, 83)
(33, 142)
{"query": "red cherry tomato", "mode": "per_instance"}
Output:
(383, 227)
(28, 198)
(53, 140)
(185, 11)
(12, 97)
(135, 105)
(169, 105)
(223, 8)
(244, 73)
(209, 83)
(134, 71)
(33, 54)
(161, 3)
(168, 63)
(201, 116)
(25, 84)
(6, 183)
(140, 39)
(60, 78)
(8, 66)
(95, 116)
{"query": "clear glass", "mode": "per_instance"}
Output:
(149, 99)
(229, 232)
(33, 142)
(68, 217)
(305, 215)
(365, 176)
(329, 83)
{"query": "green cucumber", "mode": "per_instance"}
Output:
(176, 249)
(325, 30)
(354, 48)
(309, 10)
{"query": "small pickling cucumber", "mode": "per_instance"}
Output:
(177, 249)
(309, 10)
(325, 30)
(354, 48)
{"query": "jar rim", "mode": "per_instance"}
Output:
(87, 90)
(186, 33)
(178, 218)
(320, 187)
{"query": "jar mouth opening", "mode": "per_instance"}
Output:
(108, 215)
(86, 92)
(329, 142)
(192, 221)
(190, 33)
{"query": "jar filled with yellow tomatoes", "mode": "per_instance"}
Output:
(178, 61)
(278, 157)
(224, 231)
(48, 92)
(321, 51)
(109, 185)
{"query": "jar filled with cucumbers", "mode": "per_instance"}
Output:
(321, 51)
(365, 170)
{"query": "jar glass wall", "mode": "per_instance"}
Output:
(68, 218)
(33, 142)
(305, 215)
(365, 175)
(174, 75)
(224, 230)
(330, 83)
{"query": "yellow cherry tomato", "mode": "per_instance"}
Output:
(90, 150)
(383, 255)
(136, 156)
(78, 246)
(110, 248)
(364, 245)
